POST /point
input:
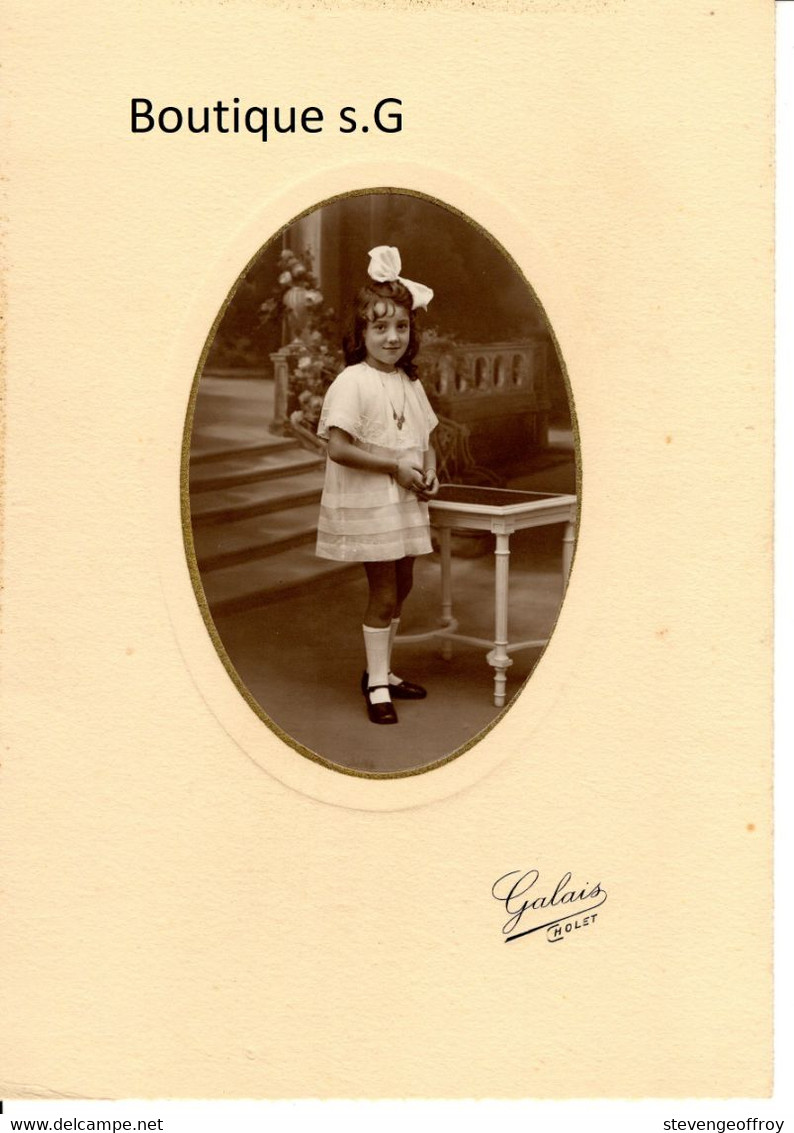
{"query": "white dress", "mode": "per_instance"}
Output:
(366, 516)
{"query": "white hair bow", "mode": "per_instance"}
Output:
(384, 267)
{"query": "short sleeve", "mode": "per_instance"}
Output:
(425, 406)
(342, 405)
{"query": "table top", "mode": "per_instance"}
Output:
(495, 501)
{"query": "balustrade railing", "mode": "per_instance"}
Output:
(501, 368)
(281, 372)
(467, 382)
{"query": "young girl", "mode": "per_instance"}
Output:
(381, 467)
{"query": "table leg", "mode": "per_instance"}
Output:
(445, 541)
(568, 540)
(498, 657)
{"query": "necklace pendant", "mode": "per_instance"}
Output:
(398, 420)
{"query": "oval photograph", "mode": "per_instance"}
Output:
(380, 497)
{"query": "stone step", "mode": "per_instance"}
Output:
(232, 413)
(223, 505)
(209, 450)
(227, 544)
(231, 589)
(249, 467)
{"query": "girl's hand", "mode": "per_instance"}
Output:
(430, 484)
(409, 476)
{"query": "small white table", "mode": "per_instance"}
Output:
(500, 511)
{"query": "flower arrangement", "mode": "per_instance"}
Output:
(313, 365)
(308, 332)
(296, 298)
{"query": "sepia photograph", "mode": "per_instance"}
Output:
(387, 529)
(381, 487)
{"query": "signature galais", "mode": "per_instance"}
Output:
(526, 904)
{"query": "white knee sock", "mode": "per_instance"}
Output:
(376, 644)
(395, 625)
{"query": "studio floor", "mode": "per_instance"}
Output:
(302, 657)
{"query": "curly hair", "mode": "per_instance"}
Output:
(389, 295)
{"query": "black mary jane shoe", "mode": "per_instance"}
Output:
(380, 713)
(405, 690)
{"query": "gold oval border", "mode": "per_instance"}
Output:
(187, 529)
